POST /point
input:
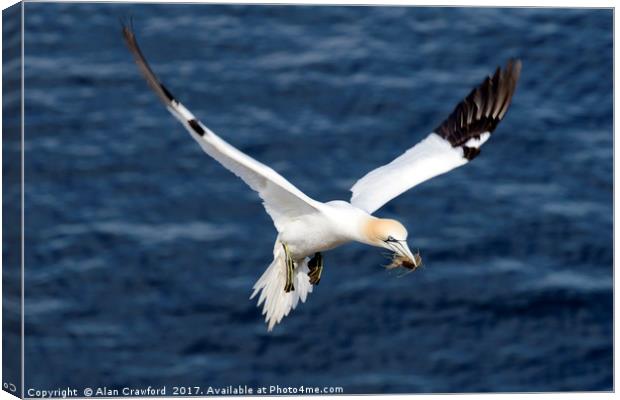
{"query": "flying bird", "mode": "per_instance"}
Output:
(307, 227)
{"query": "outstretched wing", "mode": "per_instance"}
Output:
(453, 143)
(281, 199)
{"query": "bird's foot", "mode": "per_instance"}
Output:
(290, 268)
(315, 265)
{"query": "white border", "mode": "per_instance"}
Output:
(482, 3)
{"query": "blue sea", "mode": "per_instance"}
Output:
(141, 251)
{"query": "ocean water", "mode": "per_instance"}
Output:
(141, 251)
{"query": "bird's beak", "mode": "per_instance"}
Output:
(402, 249)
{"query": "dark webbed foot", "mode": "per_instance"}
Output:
(315, 265)
(290, 267)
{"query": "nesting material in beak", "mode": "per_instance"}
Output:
(399, 261)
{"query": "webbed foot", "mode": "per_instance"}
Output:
(315, 265)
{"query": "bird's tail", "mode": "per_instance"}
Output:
(278, 303)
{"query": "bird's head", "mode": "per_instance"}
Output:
(392, 235)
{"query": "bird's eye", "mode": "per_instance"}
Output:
(391, 239)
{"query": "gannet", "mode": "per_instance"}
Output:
(307, 227)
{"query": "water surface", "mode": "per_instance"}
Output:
(141, 251)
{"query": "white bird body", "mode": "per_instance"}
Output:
(336, 223)
(307, 227)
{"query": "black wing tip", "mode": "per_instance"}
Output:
(470, 152)
(515, 65)
(484, 107)
(126, 24)
(151, 78)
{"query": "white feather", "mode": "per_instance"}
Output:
(430, 157)
(473, 142)
(277, 303)
(281, 199)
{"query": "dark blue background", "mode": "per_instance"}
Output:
(141, 251)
